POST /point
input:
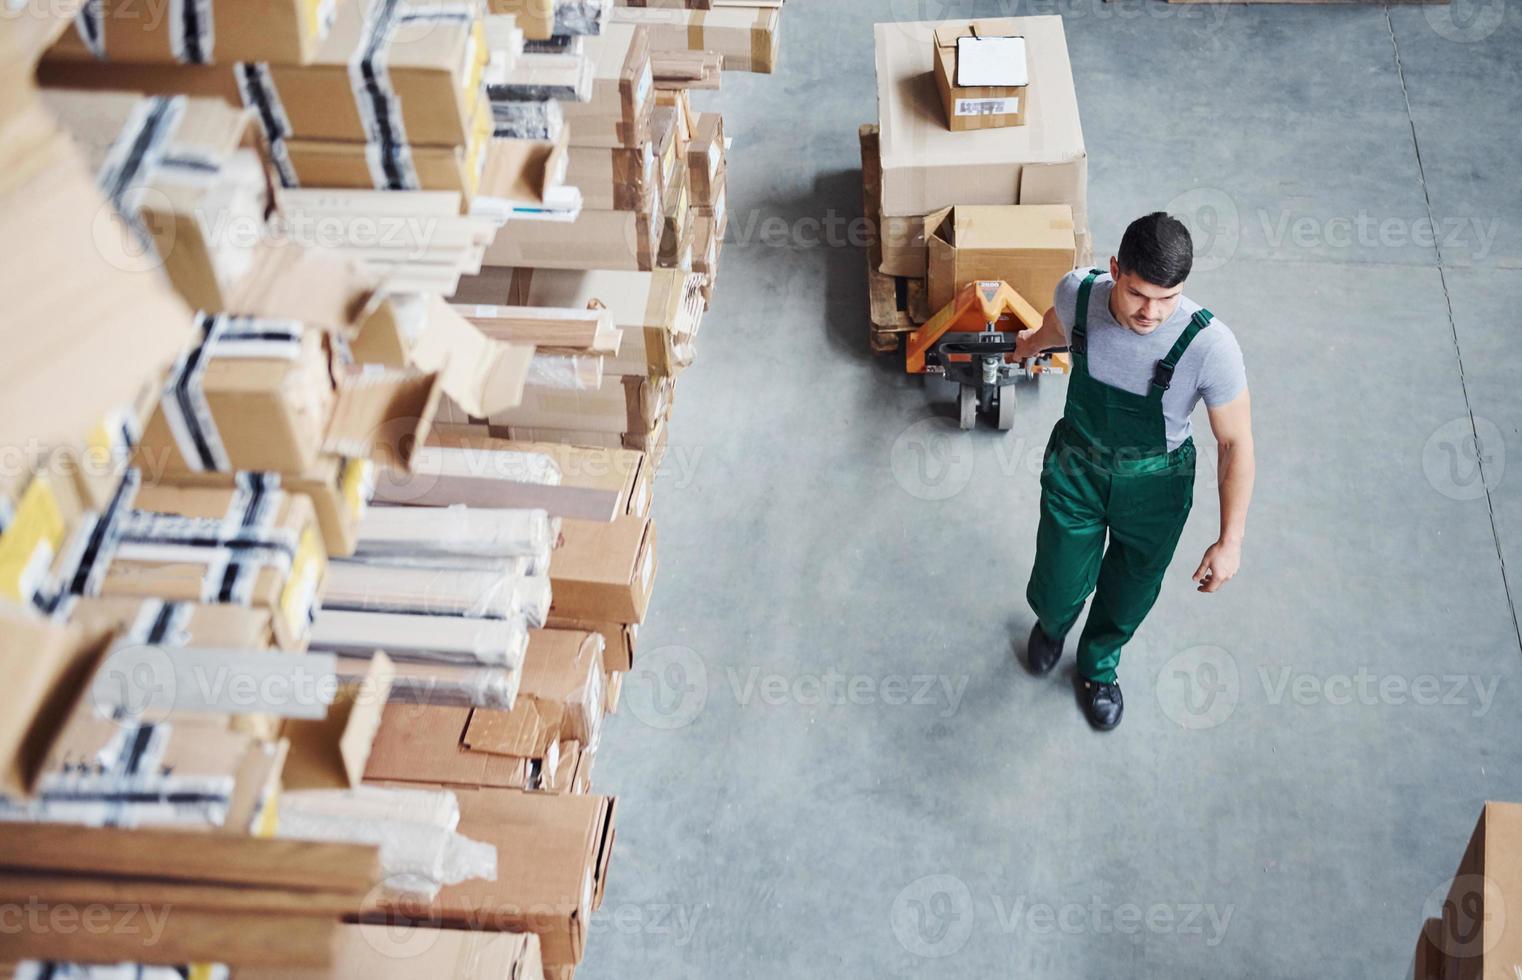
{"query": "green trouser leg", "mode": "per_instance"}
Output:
(1144, 511)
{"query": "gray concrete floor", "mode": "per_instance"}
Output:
(831, 763)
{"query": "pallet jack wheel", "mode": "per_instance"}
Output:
(1006, 408)
(967, 404)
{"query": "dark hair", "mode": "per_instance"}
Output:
(1158, 248)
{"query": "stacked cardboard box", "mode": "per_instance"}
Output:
(923, 178)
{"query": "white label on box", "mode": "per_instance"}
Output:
(642, 87)
(647, 570)
(642, 501)
(987, 107)
(715, 157)
(991, 61)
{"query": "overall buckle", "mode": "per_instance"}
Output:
(1162, 375)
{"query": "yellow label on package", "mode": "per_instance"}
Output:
(300, 590)
(28, 545)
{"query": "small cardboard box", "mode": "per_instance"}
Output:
(1029, 246)
(603, 572)
(560, 697)
(1477, 938)
(981, 105)
(624, 403)
(619, 639)
(705, 157)
(376, 952)
(747, 37)
(627, 240)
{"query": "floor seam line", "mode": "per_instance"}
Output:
(1458, 351)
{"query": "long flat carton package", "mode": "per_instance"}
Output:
(748, 38)
(86, 320)
(266, 395)
(631, 403)
(597, 483)
(208, 544)
(421, 86)
(1029, 246)
(595, 240)
(623, 88)
(377, 953)
(552, 861)
(1478, 937)
(927, 167)
(603, 572)
(659, 311)
(221, 32)
(999, 100)
(618, 178)
(361, 166)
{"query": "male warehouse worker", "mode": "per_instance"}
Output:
(1121, 459)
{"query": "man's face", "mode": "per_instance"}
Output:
(1140, 305)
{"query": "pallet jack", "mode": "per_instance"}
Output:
(972, 341)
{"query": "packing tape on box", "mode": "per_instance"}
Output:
(33, 537)
(135, 154)
(88, 25)
(126, 784)
(191, 33)
(184, 403)
(258, 92)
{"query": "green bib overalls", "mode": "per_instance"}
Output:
(1107, 468)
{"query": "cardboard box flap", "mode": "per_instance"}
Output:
(46, 669)
(382, 414)
(315, 286)
(946, 33)
(523, 171)
(995, 226)
(478, 373)
(523, 732)
(331, 753)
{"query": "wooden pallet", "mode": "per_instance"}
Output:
(897, 304)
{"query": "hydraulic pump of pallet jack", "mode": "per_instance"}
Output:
(972, 341)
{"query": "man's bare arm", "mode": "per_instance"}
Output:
(1232, 425)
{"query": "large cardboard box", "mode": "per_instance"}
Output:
(927, 166)
(1480, 938)
(603, 572)
(628, 240)
(980, 106)
(552, 860)
(220, 32)
(423, 89)
(1029, 246)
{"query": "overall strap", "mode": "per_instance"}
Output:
(1162, 375)
(1078, 343)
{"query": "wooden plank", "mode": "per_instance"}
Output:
(70, 890)
(138, 933)
(570, 329)
(188, 856)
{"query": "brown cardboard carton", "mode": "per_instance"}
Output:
(86, 319)
(261, 395)
(659, 311)
(618, 639)
(747, 37)
(204, 544)
(552, 857)
(627, 240)
(195, 624)
(378, 953)
(603, 572)
(1031, 247)
(331, 753)
(1478, 939)
(337, 163)
(927, 167)
(612, 178)
(560, 697)
(434, 71)
(609, 481)
(287, 31)
(903, 246)
(618, 114)
(624, 403)
(46, 668)
(971, 106)
(705, 157)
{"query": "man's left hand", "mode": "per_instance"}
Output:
(1220, 563)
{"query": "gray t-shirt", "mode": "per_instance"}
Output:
(1211, 368)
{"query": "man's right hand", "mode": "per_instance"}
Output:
(1028, 344)
(1048, 335)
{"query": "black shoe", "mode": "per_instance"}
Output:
(1103, 704)
(1041, 651)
